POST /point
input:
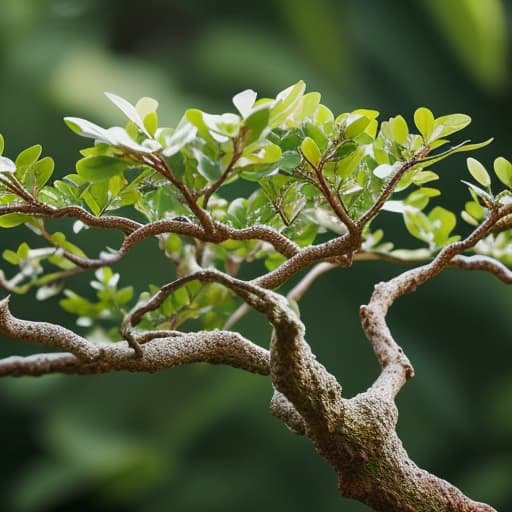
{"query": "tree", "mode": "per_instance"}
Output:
(319, 183)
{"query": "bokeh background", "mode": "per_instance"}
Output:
(201, 438)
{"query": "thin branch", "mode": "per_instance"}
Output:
(333, 199)
(208, 191)
(282, 244)
(390, 187)
(159, 163)
(298, 291)
(480, 262)
(39, 209)
(338, 247)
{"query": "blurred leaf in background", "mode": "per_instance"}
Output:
(201, 438)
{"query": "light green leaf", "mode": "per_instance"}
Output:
(268, 154)
(11, 257)
(451, 123)
(28, 156)
(443, 222)
(357, 125)
(424, 121)
(399, 129)
(151, 123)
(11, 220)
(503, 169)
(459, 148)
(468, 218)
(310, 102)
(418, 225)
(311, 151)
(42, 171)
(285, 104)
(478, 171)
(2, 144)
(257, 122)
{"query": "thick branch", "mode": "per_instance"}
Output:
(215, 347)
(46, 334)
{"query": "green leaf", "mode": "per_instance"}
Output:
(356, 126)
(418, 225)
(423, 177)
(151, 123)
(268, 154)
(478, 171)
(289, 161)
(310, 102)
(399, 129)
(257, 122)
(286, 103)
(311, 151)
(96, 196)
(424, 121)
(98, 168)
(420, 198)
(476, 210)
(11, 257)
(2, 144)
(206, 167)
(451, 123)
(28, 156)
(503, 169)
(443, 222)
(459, 148)
(42, 171)
(11, 220)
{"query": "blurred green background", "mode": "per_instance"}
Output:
(201, 438)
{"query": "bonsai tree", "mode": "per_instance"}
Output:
(319, 183)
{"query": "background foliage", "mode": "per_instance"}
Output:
(201, 438)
